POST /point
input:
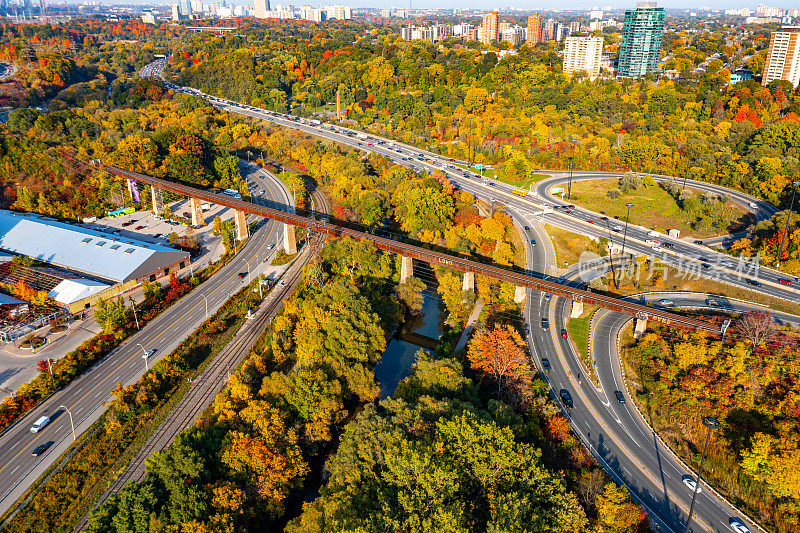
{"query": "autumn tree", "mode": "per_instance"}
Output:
(498, 354)
(616, 513)
(756, 326)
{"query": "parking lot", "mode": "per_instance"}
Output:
(144, 226)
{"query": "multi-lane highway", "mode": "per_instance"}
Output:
(614, 432)
(85, 396)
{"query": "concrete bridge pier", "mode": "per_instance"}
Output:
(519, 294)
(158, 200)
(289, 240)
(469, 282)
(240, 217)
(197, 212)
(406, 268)
(577, 309)
(640, 325)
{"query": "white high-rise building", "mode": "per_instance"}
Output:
(311, 13)
(338, 12)
(261, 8)
(783, 56)
(583, 53)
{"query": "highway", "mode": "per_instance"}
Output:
(85, 396)
(614, 433)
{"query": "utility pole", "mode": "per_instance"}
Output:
(625, 235)
(711, 423)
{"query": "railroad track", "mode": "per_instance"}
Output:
(216, 375)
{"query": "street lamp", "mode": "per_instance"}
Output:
(711, 423)
(625, 235)
(685, 175)
(144, 356)
(786, 230)
(133, 306)
(71, 423)
(611, 253)
(206, 299)
(571, 162)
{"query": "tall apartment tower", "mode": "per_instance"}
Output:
(640, 48)
(535, 29)
(261, 8)
(583, 53)
(783, 56)
(491, 27)
(550, 30)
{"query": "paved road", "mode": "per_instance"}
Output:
(7, 70)
(632, 456)
(85, 395)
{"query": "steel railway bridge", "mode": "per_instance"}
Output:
(334, 228)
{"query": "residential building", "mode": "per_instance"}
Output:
(514, 35)
(148, 17)
(783, 56)
(583, 54)
(338, 12)
(311, 13)
(595, 14)
(574, 26)
(261, 8)
(640, 47)
(535, 29)
(490, 31)
(176, 12)
(549, 32)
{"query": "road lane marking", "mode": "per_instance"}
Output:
(107, 358)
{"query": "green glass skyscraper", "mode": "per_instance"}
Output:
(640, 48)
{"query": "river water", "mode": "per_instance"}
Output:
(398, 359)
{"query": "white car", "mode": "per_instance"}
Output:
(149, 353)
(666, 302)
(712, 302)
(652, 242)
(690, 482)
(736, 525)
(753, 205)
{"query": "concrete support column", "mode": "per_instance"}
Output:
(406, 268)
(289, 240)
(469, 282)
(158, 200)
(197, 212)
(519, 294)
(240, 217)
(640, 325)
(577, 310)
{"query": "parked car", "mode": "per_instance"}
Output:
(690, 482)
(40, 449)
(546, 364)
(566, 397)
(620, 397)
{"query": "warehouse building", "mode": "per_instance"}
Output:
(87, 264)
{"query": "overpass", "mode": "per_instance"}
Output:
(219, 30)
(408, 252)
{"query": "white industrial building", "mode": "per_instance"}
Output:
(102, 264)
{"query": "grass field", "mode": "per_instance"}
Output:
(568, 245)
(578, 329)
(652, 207)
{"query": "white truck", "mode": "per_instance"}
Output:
(362, 136)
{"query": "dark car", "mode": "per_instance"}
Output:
(753, 282)
(603, 218)
(566, 397)
(667, 245)
(533, 242)
(527, 228)
(545, 324)
(706, 265)
(242, 275)
(620, 396)
(40, 449)
(698, 241)
(563, 333)
(139, 227)
(546, 364)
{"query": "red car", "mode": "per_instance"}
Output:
(785, 281)
(139, 227)
(563, 333)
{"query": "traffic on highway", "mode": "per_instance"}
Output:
(611, 427)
